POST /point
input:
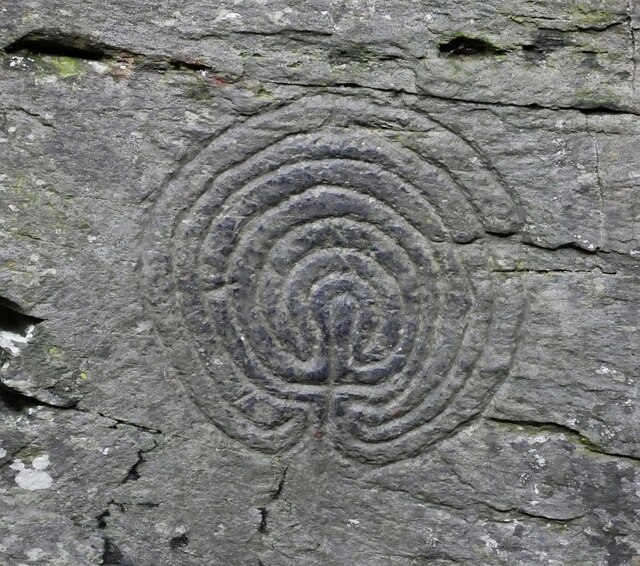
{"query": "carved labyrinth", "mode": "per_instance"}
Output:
(309, 260)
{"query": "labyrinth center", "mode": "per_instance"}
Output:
(314, 259)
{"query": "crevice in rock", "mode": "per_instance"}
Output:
(101, 522)
(14, 320)
(570, 432)
(134, 474)
(56, 43)
(20, 402)
(119, 421)
(603, 110)
(518, 512)
(262, 527)
(634, 55)
(289, 33)
(359, 53)
(480, 506)
(506, 235)
(464, 46)
(586, 108)
(178, 541)
(17, 401)
(596, 151)
(596, 269)
(567, 245)
(112, 555)
(43, 120)
(278, 491)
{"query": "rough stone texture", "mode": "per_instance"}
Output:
(349, 282)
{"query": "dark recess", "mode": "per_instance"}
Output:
(101, 520)
(545, 42)
(12, 319)
(468, 46)
(262, 528)
(58, 44)
(14, 400)
(179, 541)
(112, 555)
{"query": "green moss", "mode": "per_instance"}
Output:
(588, 444)
(19, 184)
(584, 15)
(264, 93)
(67, 66)
(596, 97)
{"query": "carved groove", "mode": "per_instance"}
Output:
(311, 261)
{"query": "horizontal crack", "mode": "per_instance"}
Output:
(48, 42)
(59, 44)
(125, 422)
(585, 442)
(596, 269)
(567, 245)
(516, 511)
(287, 32)
(19, 401)
(586, 109)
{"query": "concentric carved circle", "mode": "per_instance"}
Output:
(308, 259)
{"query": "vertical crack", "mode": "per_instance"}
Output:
(596, 151)
(274, 494)
(262, 528)
(632, 34)
(278, 491)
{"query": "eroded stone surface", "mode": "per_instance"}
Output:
(319, 283)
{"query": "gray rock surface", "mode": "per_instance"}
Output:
(321, 283)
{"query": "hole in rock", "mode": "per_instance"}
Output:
(57, 44)
(13, 320)
(15, 400)
(16, 329)
(113, 555)
(102, 520)
(179, 541)
(466, 46)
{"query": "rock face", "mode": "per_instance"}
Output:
(333, 282)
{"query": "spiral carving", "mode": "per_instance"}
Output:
(308, 258)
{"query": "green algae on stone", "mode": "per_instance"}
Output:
(584, 15)
(67, 66)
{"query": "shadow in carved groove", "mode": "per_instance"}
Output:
(308, 259)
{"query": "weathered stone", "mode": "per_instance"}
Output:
(319, 283)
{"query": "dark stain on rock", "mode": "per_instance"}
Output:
(545, 42)
(463, 46)
(179, 541)
(112, 555)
